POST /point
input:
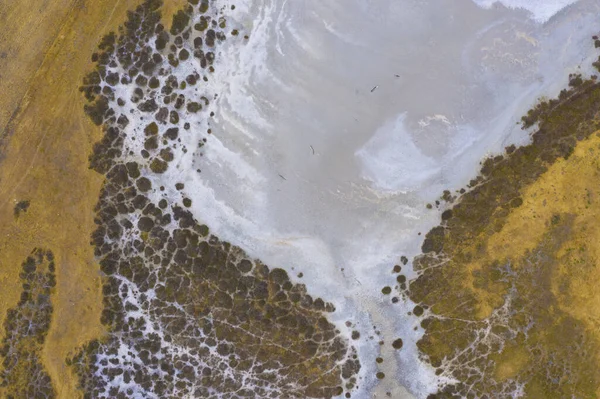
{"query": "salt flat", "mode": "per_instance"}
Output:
(335, 123)
(338, 121)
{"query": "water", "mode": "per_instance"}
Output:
(541, 10)
(338, 121)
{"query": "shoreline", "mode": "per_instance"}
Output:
(258, 148)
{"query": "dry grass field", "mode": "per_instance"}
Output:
(45, 141)
(548, 233)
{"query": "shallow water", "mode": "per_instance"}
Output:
(338, 121)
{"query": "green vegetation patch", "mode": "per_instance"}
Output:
(22, 374)
(187, 314)
(475, 313)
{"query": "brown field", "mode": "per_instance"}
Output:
(45, 142)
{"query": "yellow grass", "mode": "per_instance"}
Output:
(48, 51)
(568, 187)
(169, 8)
